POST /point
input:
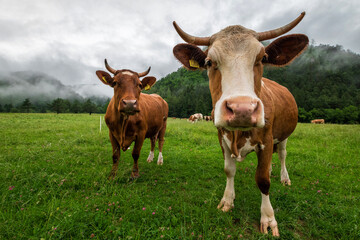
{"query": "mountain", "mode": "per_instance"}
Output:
(37, 86)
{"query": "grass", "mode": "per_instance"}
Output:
(54, 169)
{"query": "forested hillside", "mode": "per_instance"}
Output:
(325, 81)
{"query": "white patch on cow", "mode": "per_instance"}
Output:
(243, 151)
(237, 75)
(160, 160)
(150, 157)
(267, 216)
(128, 73)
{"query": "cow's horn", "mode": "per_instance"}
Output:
(110, 69)
(144, 73)
(279, 31)
(203, 41)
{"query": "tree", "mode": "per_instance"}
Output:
(89, 107)
(26, 106)
(58, 105)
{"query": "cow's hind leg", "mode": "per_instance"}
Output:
(282, 156)
(160, 160)
(227, 202)
(151, 154)
(116, 156)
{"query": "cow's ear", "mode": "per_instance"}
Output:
(285, 49)
(147, 82)
(105, 78)
(191, 56)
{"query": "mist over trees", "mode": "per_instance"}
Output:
(325, 81)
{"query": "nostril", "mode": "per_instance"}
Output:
(124, 102)
(229, 107)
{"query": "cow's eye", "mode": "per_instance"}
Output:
(265, 58)
(140, 85)
(208, 63)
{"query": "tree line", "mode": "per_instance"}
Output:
(58, 105)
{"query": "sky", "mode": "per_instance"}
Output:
(69, 39)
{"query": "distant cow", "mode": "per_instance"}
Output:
(195, 117)
(207, 118)
(318, 121)
(251, 113)
(133, 116)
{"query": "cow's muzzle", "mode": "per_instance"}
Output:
(243, 113)
(129, 107)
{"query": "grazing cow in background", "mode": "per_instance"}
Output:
(133, 116)
(318, 121)
(251, 113)
(195, 117)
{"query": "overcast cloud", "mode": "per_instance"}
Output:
(69, 39)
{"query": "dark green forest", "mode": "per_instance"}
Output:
(325, 81)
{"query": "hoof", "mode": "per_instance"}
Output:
(286, 182)
(225, 206)
(265, 224)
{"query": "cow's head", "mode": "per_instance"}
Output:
(234, 61)
(127, 87)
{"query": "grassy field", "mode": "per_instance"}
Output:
(53, 184)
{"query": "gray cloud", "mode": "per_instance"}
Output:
(70, 39)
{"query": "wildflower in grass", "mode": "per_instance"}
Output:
(200, 236)
(144, 208)
(120, 219)
(192, 234)
(228, 236)
(97, 209)
(153, 213)
(161, 236)
(22, 209)
(108, 209)
(11, 188)
(92, 235)
(170, 208)
(319, 191)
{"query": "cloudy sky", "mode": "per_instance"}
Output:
(69, 39)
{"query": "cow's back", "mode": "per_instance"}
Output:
(285, 111)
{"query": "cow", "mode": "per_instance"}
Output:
(195, 117)
(132, 116)
(318, 121)
(251, 113)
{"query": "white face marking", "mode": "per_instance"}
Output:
(237, 74)
(128, 73)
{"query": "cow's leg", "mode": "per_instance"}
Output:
(151, 154)
(263, 181)
(135, 154)
(227, 202)
(160, 160)
(282, 156)
(116, 156)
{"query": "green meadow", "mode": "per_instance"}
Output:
(54, 169)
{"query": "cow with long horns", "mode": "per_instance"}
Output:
(132, 116)
(251, 113)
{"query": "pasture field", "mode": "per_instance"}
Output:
(54, 169)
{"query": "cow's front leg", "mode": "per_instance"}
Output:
(115, 156)
(263, 181)
(227, 202)
(135, 154)
(282, 156)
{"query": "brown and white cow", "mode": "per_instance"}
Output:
(195, 117)
(318, 121)
(133, 116)
(251, 113)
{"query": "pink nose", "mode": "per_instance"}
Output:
(242, 112)
(129, 106)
